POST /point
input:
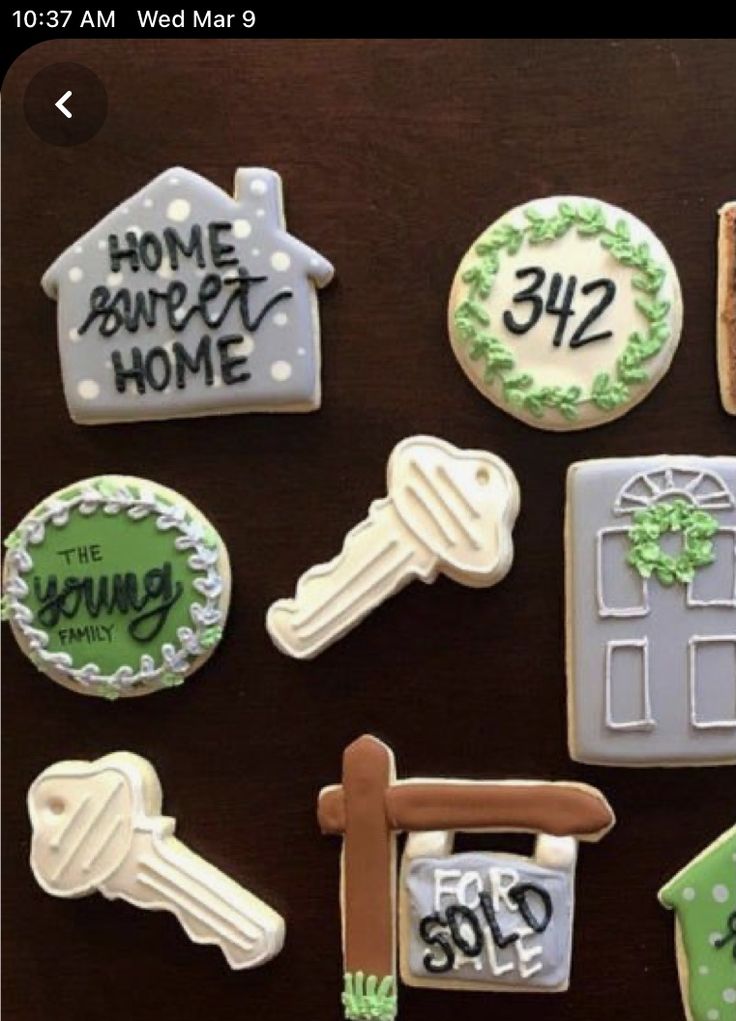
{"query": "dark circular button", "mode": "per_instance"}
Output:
(65, 104)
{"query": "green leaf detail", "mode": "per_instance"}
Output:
(697, 528)
(107, 489)
(13, 541)
(210, 637)
(368, 998)
(609, 390)
(170, 679)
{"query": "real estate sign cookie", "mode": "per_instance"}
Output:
(565, 312)
(184, 301)
(651, 610)
(116, 586)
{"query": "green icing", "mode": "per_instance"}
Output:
(367, 997)
(696, 528)
(106, 550)
(609, 390)
(704, 897)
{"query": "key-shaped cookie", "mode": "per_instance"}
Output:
(97, 826)
(448, 511)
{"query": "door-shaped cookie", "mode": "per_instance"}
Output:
(651, 610)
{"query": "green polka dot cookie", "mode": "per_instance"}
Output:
(703, 895)
(116, 586)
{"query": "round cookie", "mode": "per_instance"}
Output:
(565, 312)
(116, 586)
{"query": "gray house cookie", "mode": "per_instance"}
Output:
(184, 301)
(651, 611)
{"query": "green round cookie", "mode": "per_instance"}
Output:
(116, 586)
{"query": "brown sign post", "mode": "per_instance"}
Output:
(370, 807)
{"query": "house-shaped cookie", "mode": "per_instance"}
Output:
(703, 895)
(651, 611)
(184, 301)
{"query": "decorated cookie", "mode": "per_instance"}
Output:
(448, 511)
(116, 586)
(651, 611)
(475, 921)
(183, 301)
(565, 312)
(704, 897)
(98, 828)
(726, 326)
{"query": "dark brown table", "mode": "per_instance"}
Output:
(394, 156)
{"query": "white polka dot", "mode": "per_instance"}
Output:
(715, 937)
(78, 249)
(280, 371)
(114, 279)
(280, 261)
(241, 228)
(246, 345)
(164, 270)
(703, 969)
(178, 210)
(260, 212)
(713, 1015)
(74, 335)
(281, 319)
(729, 995)
(720, 893)
(688, 893)
(301, 351)
(75, 274)
(88, 389)
(258, 187)
(133, 229)
(173, 180)
(148, 203)
(102, 244)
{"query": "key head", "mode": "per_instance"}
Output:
(83, 816)
(461, 504)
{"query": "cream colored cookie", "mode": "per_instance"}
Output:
(726, 324)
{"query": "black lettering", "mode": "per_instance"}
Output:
(501, 941)
(160, 355)
(436, 939)
(519, 895)
(218, 249)
(151, 250)
(228, 364)
(183, 361)
(458, 915)
(135, 372)
(117, 254)
(175, 244)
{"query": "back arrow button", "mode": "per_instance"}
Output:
(59, 104)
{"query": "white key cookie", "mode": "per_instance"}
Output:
(447, 511)
(97, 827)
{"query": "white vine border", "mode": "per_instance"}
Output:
(114, 498)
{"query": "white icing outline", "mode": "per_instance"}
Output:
(717, 602)
(647, 721)
(693, 644)
(604, 610)
(56, 510)
(722, 500)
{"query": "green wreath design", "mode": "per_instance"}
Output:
(609, 390)
(646, 553)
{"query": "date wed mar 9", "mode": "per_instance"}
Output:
(196, 19)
